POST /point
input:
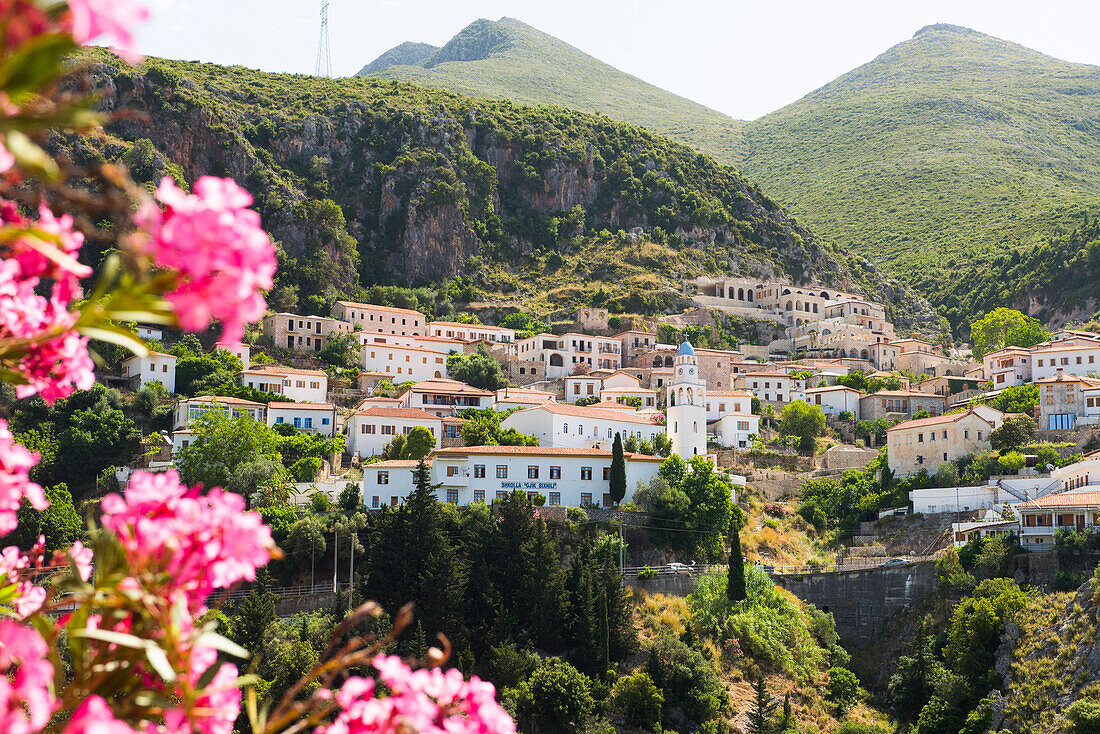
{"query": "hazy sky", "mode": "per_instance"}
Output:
(745, 58)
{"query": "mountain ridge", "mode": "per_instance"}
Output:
(934, 159)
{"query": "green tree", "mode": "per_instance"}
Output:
(693, 692)
(763, 708)
(617, 482)
(1084, 715)
(803, 420)
(980, 720)
(341, 350)
(735, 584)
(1016, 399)
(253, 615)
(222, 449)
(480, 369)
(1016, 431)
(482, 428)
(1005, 327)
(419, 442)
(1011, 462)
(197, 372)
(59, 523)
(842, 689)
(637, 700)
(556, 699)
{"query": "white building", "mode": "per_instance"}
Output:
(149, 333)
(306, 386)
(472, 332)
(405, 363)
(191, 408)
(687, 406)
(306, 417)
(733, 430)
(154, 367)
(646, 398)
(1041, 518)
(563, 355)
(569, 477)
(380, 319)
(560, 425)
(726, 402)
(370, 429)
(442, 397)
(1074, 356)
(776, 388)
(834, 399)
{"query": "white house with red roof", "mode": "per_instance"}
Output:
(561, 425)
(307, 386)
(370, 429)
(925, 443)
(153, 367)
(370, 317)
(567, 477)
(189, 409)
(472, 332)
(1040, 519)
(406, 363)
(515, 397)
(306, 417)
(443, 397)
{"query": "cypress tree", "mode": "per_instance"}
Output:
(617, 483)
(788, 713)
(735, 585)
(760, 717)
(603, 635)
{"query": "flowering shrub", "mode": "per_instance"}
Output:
(139, 655)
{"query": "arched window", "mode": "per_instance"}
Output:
(695, 427)
(437, 374)
(740, 294)
(675, 426)
(565, 428)
(750, 295)
(672, 399)
(815, 308)
(657, 361)
(790, 306)
(609, 433)
(580, 430)
(668, 361)
(681, 396)
(691, 397)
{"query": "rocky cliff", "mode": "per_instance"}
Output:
(365, 182)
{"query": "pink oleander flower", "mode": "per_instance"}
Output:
(22, 20)
(25, 676)
(7, 160)
(114, 18)
(216, 244)
(425, 701)
(94, 716)
(202, 542)
(15, 484)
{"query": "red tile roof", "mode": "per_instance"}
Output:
(226, 400)
(535, 451)
(409, 413)
(376, 307)
(441, 384)
(301, 406)
(590, 412)
(1064, 499)
(396, 464)
(276, 370)
(937, 420)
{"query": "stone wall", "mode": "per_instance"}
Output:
(862, 601)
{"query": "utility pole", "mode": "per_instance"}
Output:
(622, 550)
(312, 561)
(335, 558)
(351, 571)
(324, 49)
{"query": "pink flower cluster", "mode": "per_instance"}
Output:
(423, 701)
(56, 360)
(216, 244)
(25, 676)
(202, 542)
(15, 484)
(115, 18)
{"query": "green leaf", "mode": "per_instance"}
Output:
(115, 638)
(216, 641)
(35, 64)
(30, 157)
(115, 335)
(159, 660)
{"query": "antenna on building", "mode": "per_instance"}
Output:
(324, 48)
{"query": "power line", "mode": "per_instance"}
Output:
(324, 47)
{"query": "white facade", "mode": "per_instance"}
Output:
(380, 319)
(155, 367)
(565, 477)
(445, 397)
(777, 388)
(191, 408)
(687, 406)
(1080, 357)
(580, 387)
(404, 363)
(559, 425)
(733, 430)
(472, 332)
(306, 417)
(370, 429)
(834, 400)
(563, 355)
(961, 499)
(149, 333)
(305, 386)
(512, 397)
(720, 403)
(647, 397)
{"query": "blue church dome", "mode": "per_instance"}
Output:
(686, 349)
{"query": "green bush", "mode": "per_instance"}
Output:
(305, 469)
(556, 698)
(1084, 716)
(854, 727)
(693, 693)
(842, 689)
(647, 573)
(638, 701)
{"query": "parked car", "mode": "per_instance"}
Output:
(894, 562)
(679, 569)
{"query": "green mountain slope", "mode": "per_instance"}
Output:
(366, 182)
(507, 59)
(939, 156)
(937, 160)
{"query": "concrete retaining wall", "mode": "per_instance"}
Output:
(861, 601)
